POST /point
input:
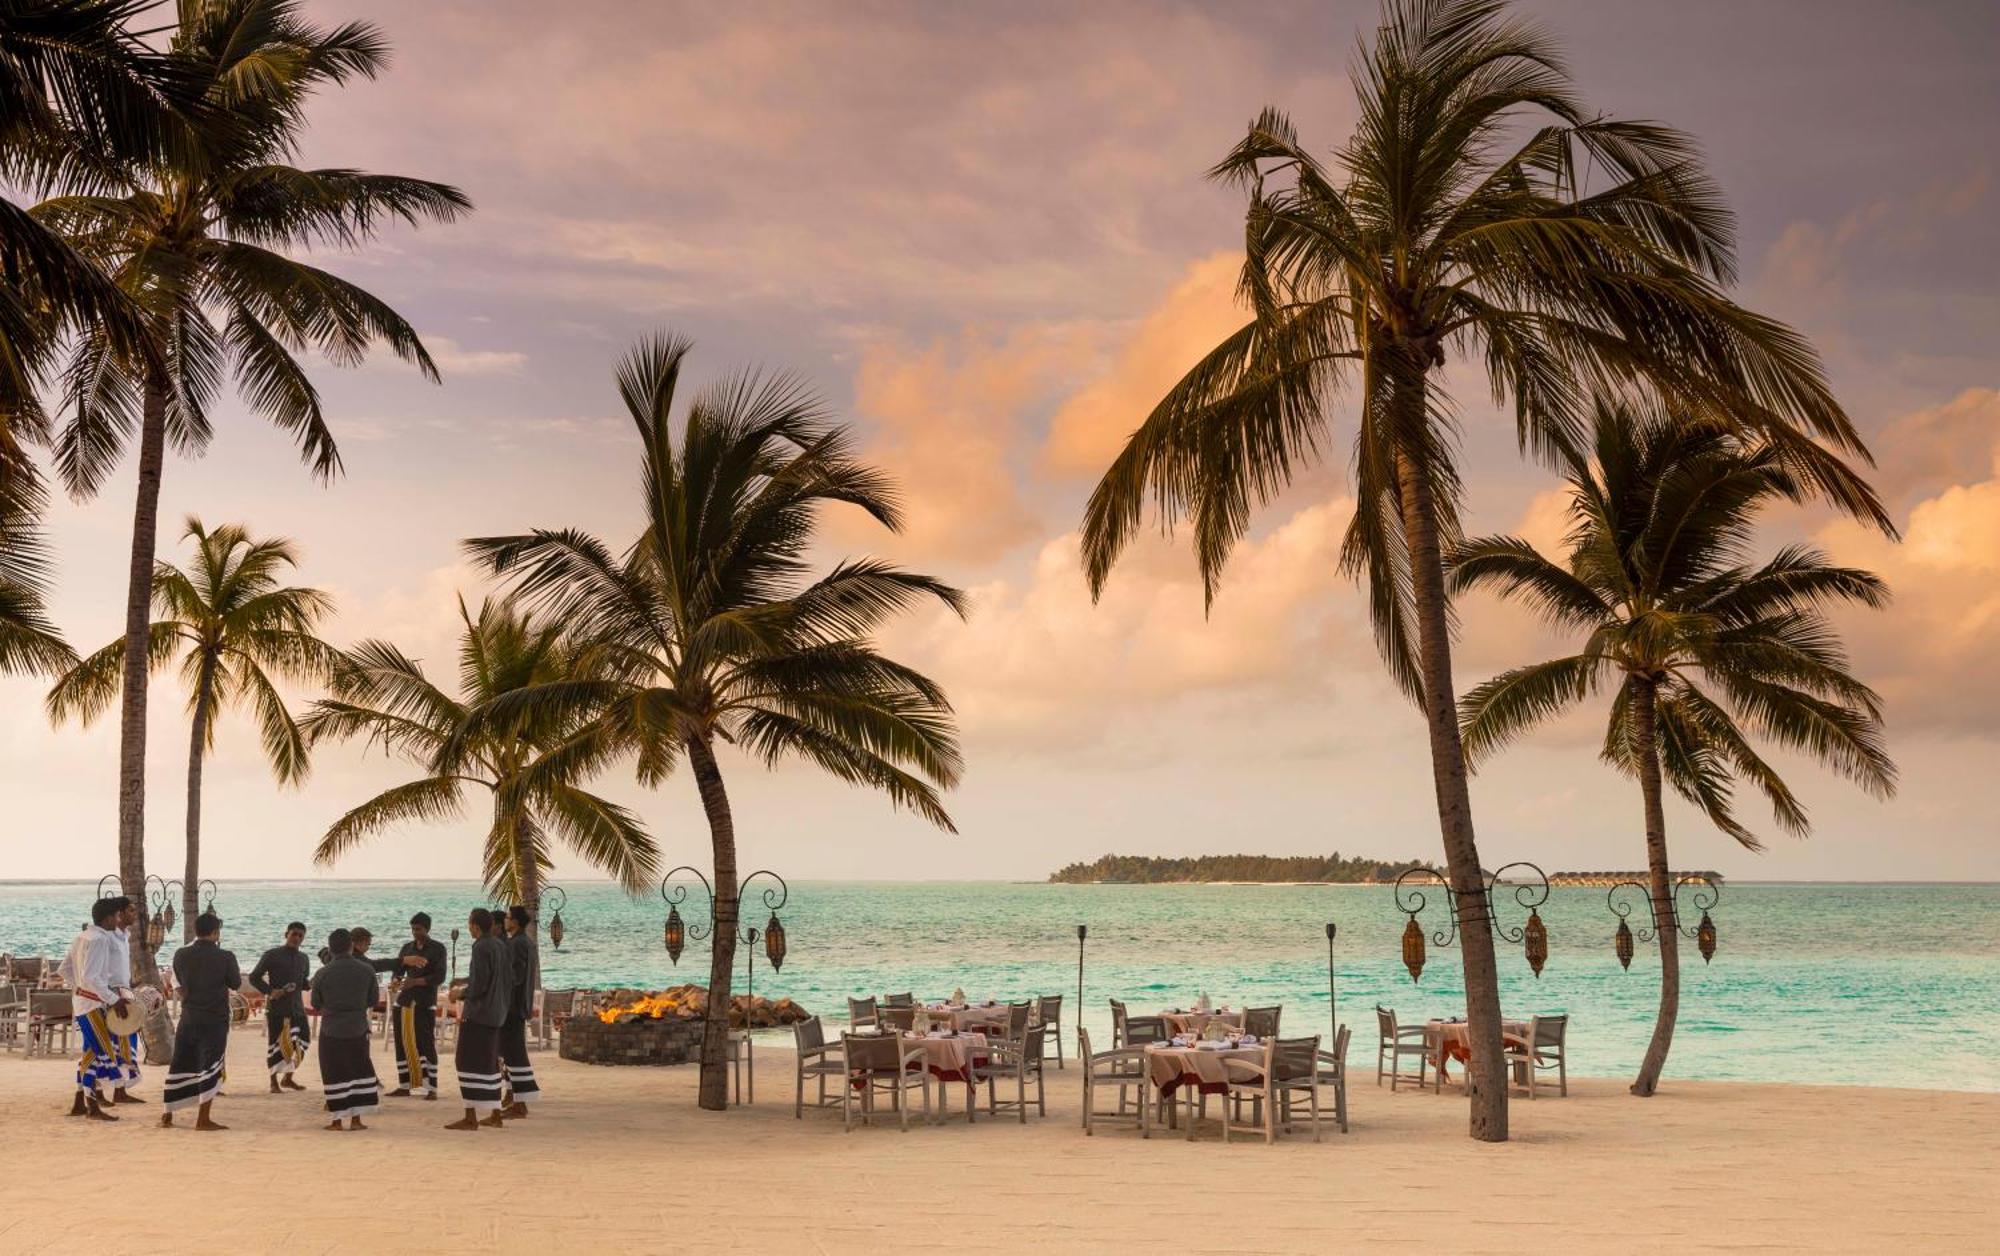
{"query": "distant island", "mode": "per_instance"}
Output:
(1334, 869)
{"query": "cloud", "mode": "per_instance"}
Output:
(454, 359)
(947, 420)
(1933, 448)
(1199, 311)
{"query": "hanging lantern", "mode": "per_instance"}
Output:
(1704, 937)
(1413, 949)
(774, 943)
(556, 931)
(168, 913)
(156, 931)
(1538, 942)
(676, 935)
(1622, 943)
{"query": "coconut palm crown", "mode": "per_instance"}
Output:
(710, 629)
(1704, 650)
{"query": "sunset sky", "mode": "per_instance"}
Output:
(982, 232)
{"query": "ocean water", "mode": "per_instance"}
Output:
(1874, 985)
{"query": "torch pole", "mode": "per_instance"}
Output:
(1332, 1006)
(1081, 932)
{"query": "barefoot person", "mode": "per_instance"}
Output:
(422, 962)
(98, 986)
(344, 992)
(125, 1046)
(487, 994)
(206, 974)
(527, 969)
(279, 976)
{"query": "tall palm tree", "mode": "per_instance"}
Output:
(238, 631)
(197, 239)
(707, 628)
(1458, 220)
(1700, 647)
(29, 641)
(531, 765)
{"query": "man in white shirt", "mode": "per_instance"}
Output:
(98, 968)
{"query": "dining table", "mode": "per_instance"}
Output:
(970, 1017)
(1452, 1040)
(1198, 1068)
(950, 1056)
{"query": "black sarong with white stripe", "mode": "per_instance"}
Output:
(478, 1064)
(196, 1074)
(514, 1060)
(348, 1074)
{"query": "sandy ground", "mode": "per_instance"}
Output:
(621, 1160)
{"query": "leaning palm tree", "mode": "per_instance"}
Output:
(532, 766)
(198, 239)
(1459, 219)
(1699, 647)
(238, 631)
(708, 630)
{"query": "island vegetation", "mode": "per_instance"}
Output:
(1334, 869)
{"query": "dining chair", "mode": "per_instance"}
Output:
(1262, 1021)
(905, 999)
(1543, 1049)
(1051, 1016)
(1118, 1025)
(861, 1013)
(877, 1065)
(817, 1059)
(896, 1017)
(1333, 1074)
(1121, 1068)
(1017, 1058)
(51, 1015)
(1393, 1042)
(1141, 1030)
(1286, 1067)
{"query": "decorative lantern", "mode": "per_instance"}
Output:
(156, 931)
(1413, 949)
(556, 930)
(167, 913)
(774, 943)
(676, 936)
(1622, 943)
(1538, 942)
(1704, 936)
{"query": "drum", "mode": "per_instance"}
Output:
(145, 1001)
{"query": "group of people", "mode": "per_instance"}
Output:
(496, 1081)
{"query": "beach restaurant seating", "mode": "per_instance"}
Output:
(1118, 1025)
(861, 1013)
(1542, 1049)
(1016, 1026)
(557, 1007)
(1287, 1068)
(1262, 1021)
(899, 1018)
(1051, 1016)
(1018, 1059)
(905, 999)
(817, 1059)
(875, 1065)
(1333, 1074)
(13, 1015)
(51, 1015)
(1141, 1030)
(1122, 1069)
(1393, 1042)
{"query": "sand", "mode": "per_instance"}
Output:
(620, 1160)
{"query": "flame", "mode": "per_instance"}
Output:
(652, 1007)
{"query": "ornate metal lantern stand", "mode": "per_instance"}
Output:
(678, 931)
(555, 926)
(1533, 934)
(1666, 915)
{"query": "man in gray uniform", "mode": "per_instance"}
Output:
(527, 959)
(488, 995)
(344, 992)
(205, 974)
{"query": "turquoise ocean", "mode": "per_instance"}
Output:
(1872, 985)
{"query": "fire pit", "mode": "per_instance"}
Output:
(663, 1027)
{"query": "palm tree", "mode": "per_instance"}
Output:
(1700, 647)
(708, 630)
(29, 642)
(196, 238)
(1457, 220)
(238, 631)
(531, 765)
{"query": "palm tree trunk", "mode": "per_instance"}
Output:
(1665, 925)
(132, 713)
(204, 712)
(722, 955)
(1486, 1072)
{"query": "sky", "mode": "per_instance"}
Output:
(982, 234)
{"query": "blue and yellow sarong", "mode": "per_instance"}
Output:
(104, 1053)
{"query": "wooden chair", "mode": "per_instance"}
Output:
(1051, 1014)
(1333, 1073)
(13, 1014)
(1393, 1042)
(877, 1065)
(897, 1017)
(557, 1007)
(1141, 1030)
(1117, 1025)
(1018, 1058)
(1544, 1049)
(1122, 1068)
(905, 999)
(51, 1015)
(861, 1013)
(1262, 1021)
(817, 1059)
(1288, 1067)
(1016, 1026)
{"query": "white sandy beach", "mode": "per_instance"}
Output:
(622, 1160)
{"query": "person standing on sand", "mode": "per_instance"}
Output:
(127, 1045)
(279, 976)
(206, 974)
(422, 961)
(344, 992)
(527, 967)
(98, 986)
(485, 1003)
